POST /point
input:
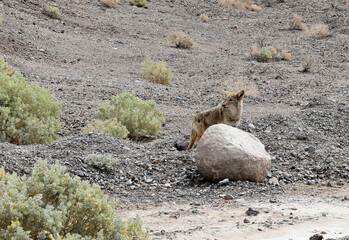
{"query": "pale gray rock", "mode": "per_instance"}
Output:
(228, 152)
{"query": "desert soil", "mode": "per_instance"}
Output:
(94, 53)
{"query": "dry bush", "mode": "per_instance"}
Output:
(204, 17)
(52, 12)
(318, 31)
(269, 53)
(110, 3)
(286, 55)
(241, 4)
(181, 40)
(297, 23)
(138, 3)
(156, 71)
(308, 64)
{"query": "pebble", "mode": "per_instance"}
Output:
(129, 182)
(252, 212)
(246, 220)
(223, 182)
(274, 181)
(228, 197)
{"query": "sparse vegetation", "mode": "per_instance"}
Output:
(286, 55)
(138, 3)
(104, 162)
(297, 23)
(28, 113)
(269, 54)
(308, 64)
(204, 17)
(156, 72)
(141, 118)
(181, 40)
(52, 205)
(241, 4)
(315, 31)
(110, 3)
(318, 31)
(52, 12)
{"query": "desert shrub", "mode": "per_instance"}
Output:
(241, 4)
(52, 12)
(110, 3)
(286, 55)
(138, 3)
(204, 17)
(297, 23)
(318, 31)
(269, 54)
(156, 71)
(181, 40)
(104, 162)
(111, 126)
(141, 118)
(51, 205)
(308, 64)
(28, 113)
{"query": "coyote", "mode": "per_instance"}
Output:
(228, 112)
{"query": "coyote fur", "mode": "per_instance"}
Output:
(228, 112)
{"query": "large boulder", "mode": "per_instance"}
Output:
(227, 152)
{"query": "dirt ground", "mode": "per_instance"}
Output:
(94, 53)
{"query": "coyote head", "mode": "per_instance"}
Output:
(234, 100)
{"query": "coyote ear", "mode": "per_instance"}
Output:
(225, 92)
(240, 95)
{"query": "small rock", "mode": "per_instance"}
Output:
(246, 220)
(129, 182)
(228, 197)
(274, 181)
(223, 182)
(80, 173)
(167, 185)
(148, 180)
(273, 200)
(252, 212)
(310, 150)
(316, 237)
(181, 144)
(196, 204)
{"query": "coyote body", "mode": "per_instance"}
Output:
(228, 112)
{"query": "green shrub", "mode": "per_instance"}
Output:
(156, 72)
(28, 113)
(110, 3)
(141, 118)
(204, 17)
(104, 162)
(269, 54)
(181, 40)
(52, 12)
(52, 205)
(112, 127)
(138, 3)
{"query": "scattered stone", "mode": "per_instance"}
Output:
(196, 204)
(228, 197)
(227, 152)
(129, 182)
(80, 173)
(274, 181)
(273, 200)
(246, 220)
(252, 212)
(310, 150)
(223, 182)
(181, 144)
(316, 237)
